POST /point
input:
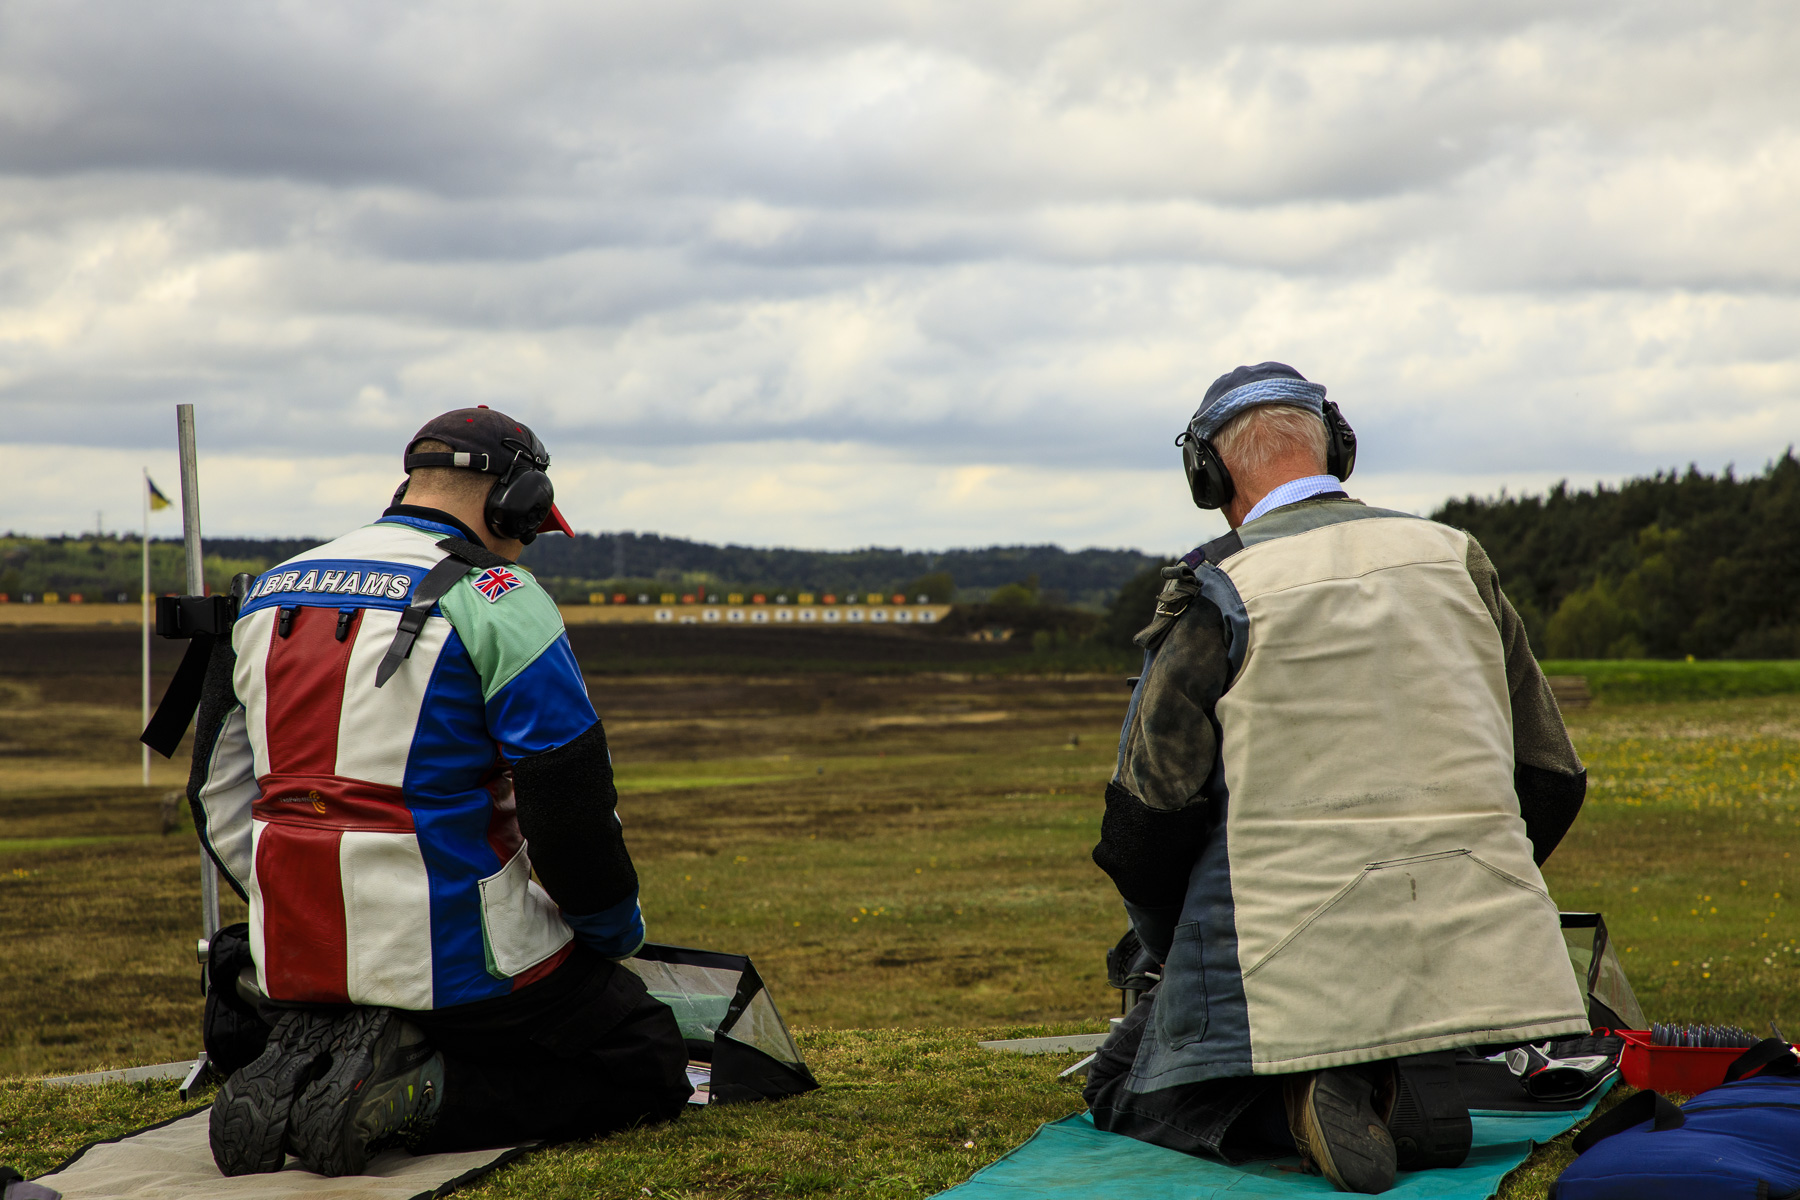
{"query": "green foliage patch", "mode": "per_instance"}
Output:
(100, 569)
(1659, 567)
(1640, 681)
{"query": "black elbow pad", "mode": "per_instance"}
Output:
(1549, 801)
(566, 803)
(1149, 852)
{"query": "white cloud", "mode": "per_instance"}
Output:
(920, 273)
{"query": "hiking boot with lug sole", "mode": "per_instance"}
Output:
(1339, 1122)
(250, 1116)
(383, 1087)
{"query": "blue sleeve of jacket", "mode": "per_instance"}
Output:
(616, 932)
(542, 707)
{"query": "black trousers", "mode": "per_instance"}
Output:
(1232, 1120)
(581, 1052)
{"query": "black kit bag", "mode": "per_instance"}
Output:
(232, 1032)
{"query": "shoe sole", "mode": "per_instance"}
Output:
(250, 1116)
(1339, 1129)
(324, 1113)
(1430, 1123)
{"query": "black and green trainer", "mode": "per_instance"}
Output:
(383, 1088)
(248, 1127)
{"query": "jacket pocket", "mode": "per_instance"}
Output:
(520, 925)
(1413, 948)
(1181, 1008)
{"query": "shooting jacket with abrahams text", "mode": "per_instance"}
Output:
(379, 834)
(1331, 780)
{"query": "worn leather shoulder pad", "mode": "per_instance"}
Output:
(1179, 589)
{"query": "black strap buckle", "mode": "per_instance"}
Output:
(202, 621)
(183, 617)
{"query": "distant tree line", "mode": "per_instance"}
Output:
(1667, 566)
(574, 568)
(1082, 577)
(104, 568)
(1661, 567)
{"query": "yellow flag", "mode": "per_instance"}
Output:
(157, 499)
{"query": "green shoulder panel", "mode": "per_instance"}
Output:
(506, 634)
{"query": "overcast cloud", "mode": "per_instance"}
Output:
(903, 272)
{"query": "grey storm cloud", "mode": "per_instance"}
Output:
(1517, 239)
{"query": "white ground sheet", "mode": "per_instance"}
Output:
(174, 1162)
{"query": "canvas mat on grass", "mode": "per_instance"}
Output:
(1071, 1160)
(173, 1161)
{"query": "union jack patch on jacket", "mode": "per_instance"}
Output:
(495, 582)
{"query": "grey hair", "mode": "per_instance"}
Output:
(1253, 439)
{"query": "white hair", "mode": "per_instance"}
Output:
(1253, 439)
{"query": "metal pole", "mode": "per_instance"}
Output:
(196, 586)
(144, 600)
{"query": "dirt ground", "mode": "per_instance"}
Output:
(894, 849)
(904, 849)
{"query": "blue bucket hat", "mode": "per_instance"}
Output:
(1244, 388)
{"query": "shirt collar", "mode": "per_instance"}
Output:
(429, 520)
(1292, 492)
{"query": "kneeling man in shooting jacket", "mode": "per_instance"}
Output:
(395, 738)
(1339, 773)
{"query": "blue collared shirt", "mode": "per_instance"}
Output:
(1294, 491)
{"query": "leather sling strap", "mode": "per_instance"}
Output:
(461, 556)
(175, 711)
(202, 620)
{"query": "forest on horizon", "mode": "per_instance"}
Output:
(1664, 566)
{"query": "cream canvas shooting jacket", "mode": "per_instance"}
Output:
(1334, 728)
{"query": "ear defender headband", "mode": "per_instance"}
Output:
(1209, 482)
(521, 498)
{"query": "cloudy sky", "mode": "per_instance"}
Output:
(908, 272)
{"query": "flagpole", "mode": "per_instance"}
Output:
(144, 600)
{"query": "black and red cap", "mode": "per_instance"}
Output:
(486, 440)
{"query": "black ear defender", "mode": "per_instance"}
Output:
(1208, 481)
(1340, 443)
(1210, 484)
(520, 500)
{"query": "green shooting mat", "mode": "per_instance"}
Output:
(1071, 1160)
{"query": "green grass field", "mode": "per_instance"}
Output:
(906, 860)
(1640, 681)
